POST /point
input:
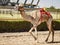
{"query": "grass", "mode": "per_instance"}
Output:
(57, 20)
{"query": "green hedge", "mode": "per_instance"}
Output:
(6, 26)
(18, 26)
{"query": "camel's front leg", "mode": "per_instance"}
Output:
(30, 31)
(36, 33)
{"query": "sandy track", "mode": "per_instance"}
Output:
(24, 38)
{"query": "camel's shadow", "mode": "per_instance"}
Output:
(46, 42)
(54, 42)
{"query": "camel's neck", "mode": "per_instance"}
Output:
(22, 13)
(25, 16)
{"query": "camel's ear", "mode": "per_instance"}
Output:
(21, 5)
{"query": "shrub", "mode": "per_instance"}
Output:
(21, 26)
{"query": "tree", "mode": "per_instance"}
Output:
(52, 7)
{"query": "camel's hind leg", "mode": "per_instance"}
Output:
(49, 25)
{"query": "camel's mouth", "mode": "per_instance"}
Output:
(20, 6)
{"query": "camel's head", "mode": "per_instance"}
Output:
(20, 7)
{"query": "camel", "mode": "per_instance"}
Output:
(37, 21)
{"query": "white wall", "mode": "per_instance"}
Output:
(16, 14)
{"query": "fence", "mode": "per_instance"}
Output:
(8, 11)
(56, 15)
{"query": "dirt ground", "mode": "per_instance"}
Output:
(24, 38)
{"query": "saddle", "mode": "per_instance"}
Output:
(43, 12)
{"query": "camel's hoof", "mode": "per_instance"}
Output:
(52, 41)
(35, 38)
(46, 40)
(36, 41)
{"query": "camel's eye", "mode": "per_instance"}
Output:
(20, 7)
